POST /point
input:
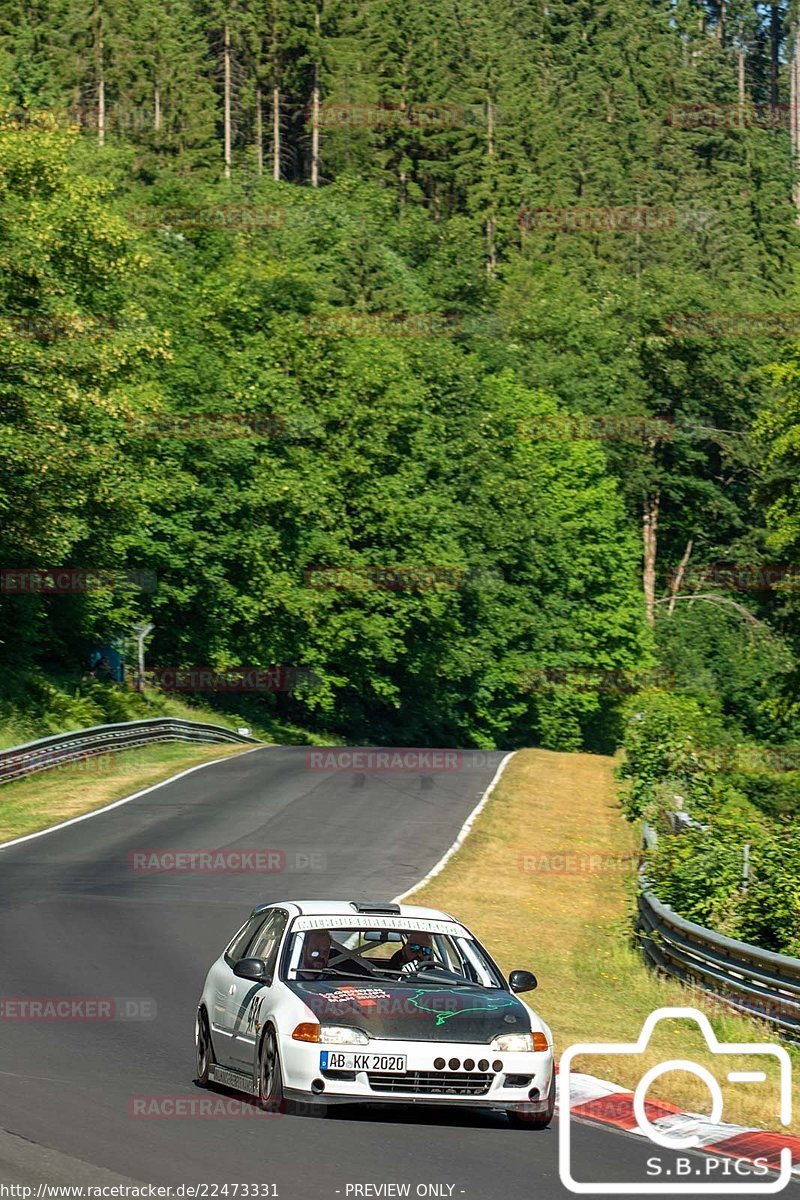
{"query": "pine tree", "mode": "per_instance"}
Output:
(166, 103)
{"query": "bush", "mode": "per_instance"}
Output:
(777, 794)
(699, 874)
(698, 871)
(661, 731)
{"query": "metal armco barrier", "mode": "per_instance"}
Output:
(81, 744)
(755, 982)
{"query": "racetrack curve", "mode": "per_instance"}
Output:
(77, 921)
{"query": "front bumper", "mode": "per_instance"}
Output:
(522, 1083)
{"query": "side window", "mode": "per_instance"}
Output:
(268, 938)
(237, 947)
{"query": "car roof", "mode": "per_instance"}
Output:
(346, 908)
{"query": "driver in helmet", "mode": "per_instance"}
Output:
(316, 952)
(417, 949)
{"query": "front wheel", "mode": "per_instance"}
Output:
(523, 1120)
(203, 1048)
(270, 1077)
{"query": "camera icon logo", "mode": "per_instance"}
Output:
(665, 1139)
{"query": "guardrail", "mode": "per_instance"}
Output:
(753, 981)
(60, 748)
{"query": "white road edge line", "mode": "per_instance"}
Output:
(463, 833)
(125, 799)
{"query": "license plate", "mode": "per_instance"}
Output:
(387, 1064)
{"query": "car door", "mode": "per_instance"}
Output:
(226, 986)
(248, 1002)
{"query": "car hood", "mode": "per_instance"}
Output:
(409, 1011)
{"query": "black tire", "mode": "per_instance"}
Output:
(270, 1076)
(204, 1050)
(523, 1120)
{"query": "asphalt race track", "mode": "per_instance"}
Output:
(77, 921)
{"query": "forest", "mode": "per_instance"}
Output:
(443, 354)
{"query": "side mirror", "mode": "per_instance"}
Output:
(522, 981)
(254, 969)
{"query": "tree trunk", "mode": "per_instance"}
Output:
(491, 226)
(275, 75)
(101, 110)
(652, 506)
(741, 75)
(101, 78)
(315, 109)
(276, 133)
(402, 175)
(775, 49)
(227, 100)
(677, 580)
(157, 108)
(259, 134)
(794, 119)
(721, 22)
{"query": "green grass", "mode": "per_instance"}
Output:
(49, 797)
(571, 925)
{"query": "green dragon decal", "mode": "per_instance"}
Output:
(444, 1014)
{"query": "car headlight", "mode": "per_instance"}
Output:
(520, 1042)
(342, 1035)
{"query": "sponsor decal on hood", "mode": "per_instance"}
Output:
(407, 1011)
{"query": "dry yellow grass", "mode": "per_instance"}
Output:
(572, 927)
(56, 795)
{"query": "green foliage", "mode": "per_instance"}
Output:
(776, 794)
(34, 704)
(700, 876)
(733, 667)
(398, 452)
(405, 451)
(662, 733)
(670, 746)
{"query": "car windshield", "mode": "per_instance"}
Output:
(442, 952)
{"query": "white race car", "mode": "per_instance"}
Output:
(343, 1002)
